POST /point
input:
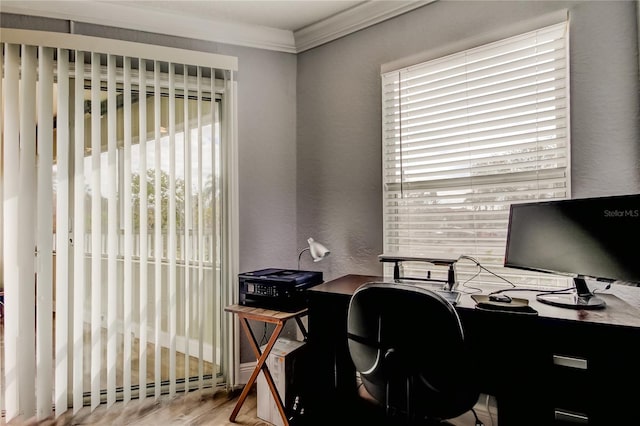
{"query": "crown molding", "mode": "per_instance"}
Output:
(130, 17)
(357, 18)
(133, 18)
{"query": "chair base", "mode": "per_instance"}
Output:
(374, 414)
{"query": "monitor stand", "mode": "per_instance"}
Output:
(449, 283)
(581, 298)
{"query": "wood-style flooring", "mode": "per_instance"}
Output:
(206, 407)
(199, 407)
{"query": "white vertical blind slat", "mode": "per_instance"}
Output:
(200, 305)
(144, 249)
(229, 231)
(62, 337)
(11, 189)
(96, 233)
(2, 405)
(208, 290)
(112, 231)
(44, 274)
(172, 231)
(128, 235)
(27, 239)
(187, 229)
(157, 232)
(213, 293)
(79, 226)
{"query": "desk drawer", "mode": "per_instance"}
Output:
(571, 384)
(590, 368)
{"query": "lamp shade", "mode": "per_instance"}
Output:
(317, 250)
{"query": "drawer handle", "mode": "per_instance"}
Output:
(569, 417)
(571, 362)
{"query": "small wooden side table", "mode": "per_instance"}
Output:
(279, 318)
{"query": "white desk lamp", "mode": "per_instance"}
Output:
(317, 251)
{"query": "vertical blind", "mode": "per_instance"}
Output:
(466, 135)
(118, 220)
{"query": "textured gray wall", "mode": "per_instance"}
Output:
(604, 100)
(339, 111)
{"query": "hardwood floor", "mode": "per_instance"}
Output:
(199, 407)
(206, 407)
(196, 408)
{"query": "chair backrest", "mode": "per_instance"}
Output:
(408, 345)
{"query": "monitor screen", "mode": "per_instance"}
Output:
(588, 237)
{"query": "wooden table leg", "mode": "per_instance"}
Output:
(260, 366)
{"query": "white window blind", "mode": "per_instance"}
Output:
(118, 169)
(466, 135)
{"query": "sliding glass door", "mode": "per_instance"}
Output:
(129, 164)
(196, 255)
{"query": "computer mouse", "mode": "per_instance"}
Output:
(500, 298)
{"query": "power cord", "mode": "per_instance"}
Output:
(604, 289)
(513, 286)
(464, 284)
(557, 291)
(482, 268)
(478, 422)
(263, 339)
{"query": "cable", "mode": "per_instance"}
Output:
(560, 291)
(263, 339)
(478, 422)
(485, 269)
(464, 256)
(502, 278)
(513, 286)
(464, 284)
(604, 289)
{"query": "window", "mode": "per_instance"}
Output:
(465, 136)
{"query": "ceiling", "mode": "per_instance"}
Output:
(286, 25)
(286, 15)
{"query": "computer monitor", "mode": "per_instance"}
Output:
(585, 238)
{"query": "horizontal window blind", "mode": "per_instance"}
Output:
(466, 135)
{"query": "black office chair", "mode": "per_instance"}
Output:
(408, 346)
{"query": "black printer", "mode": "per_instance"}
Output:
(279, 289)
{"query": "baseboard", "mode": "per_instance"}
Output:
(246, 368)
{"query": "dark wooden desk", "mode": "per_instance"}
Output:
(541, 369)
